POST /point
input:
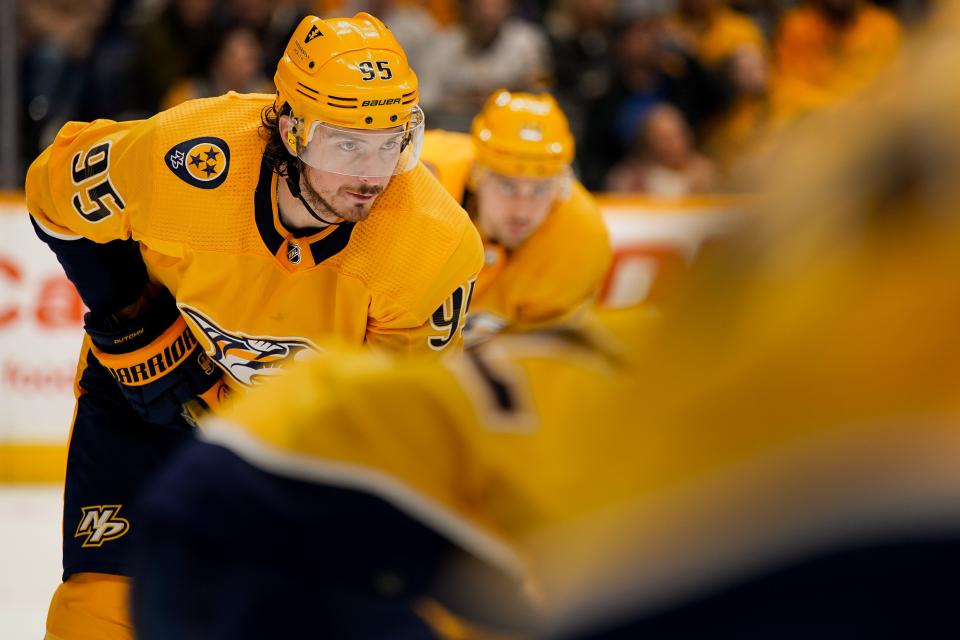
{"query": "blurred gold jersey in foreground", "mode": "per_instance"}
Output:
(816, 400)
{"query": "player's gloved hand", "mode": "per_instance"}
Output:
(207, 401)
(156, 360)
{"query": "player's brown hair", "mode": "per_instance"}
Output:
(275, 153)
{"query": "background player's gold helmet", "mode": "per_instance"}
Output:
(523, 135)
(350, 73)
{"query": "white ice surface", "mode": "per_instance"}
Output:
(29, 557)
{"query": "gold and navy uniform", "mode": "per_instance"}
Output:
(186, 200)
(555, 273)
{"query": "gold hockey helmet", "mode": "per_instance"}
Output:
(353, 97)
(523, 135)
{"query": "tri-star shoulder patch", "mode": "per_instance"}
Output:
(200, 162)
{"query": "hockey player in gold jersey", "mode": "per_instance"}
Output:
(779, 458)
(220, 241)
(546, 245)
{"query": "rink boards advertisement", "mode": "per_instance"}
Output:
(41, 315)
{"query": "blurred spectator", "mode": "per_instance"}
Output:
(237, 66)
(711, 30)
(178, 43)
(909, 12)
(647, 73)
(733, 132)
(730, 45)
(765, 14)
(490, 50)
(581, 38)
(109, 93)
(57, 37)
(414, 27)
(271, 21)
(443, 12)
(664, 161)
(829, 50)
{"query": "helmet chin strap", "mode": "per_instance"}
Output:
(293, 183)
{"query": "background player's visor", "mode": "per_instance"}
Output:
(523, 187)
(372, 153)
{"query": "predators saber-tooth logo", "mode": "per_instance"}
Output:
(99, 523)
(247, 358)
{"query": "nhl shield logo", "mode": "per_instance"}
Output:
(200, 162)
(293, 253)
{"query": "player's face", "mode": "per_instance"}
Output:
(510, 209)
(348, 169)
(344, 170)
(349, 198)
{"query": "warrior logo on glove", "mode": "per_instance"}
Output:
(154, 364)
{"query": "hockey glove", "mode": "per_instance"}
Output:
(160, 367)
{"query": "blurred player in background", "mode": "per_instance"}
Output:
(780, 459)
(221, 240)
(546, 245)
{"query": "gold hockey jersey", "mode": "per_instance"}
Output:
(190, 186)
(555, 273)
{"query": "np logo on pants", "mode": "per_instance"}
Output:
(100, 523)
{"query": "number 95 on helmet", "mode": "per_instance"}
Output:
(353, 98)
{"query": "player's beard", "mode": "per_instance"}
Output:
(321, 205)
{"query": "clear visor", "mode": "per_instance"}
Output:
(370, 153)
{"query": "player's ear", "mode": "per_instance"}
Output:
(288, 133)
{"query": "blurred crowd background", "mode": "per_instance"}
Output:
(665, 96)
